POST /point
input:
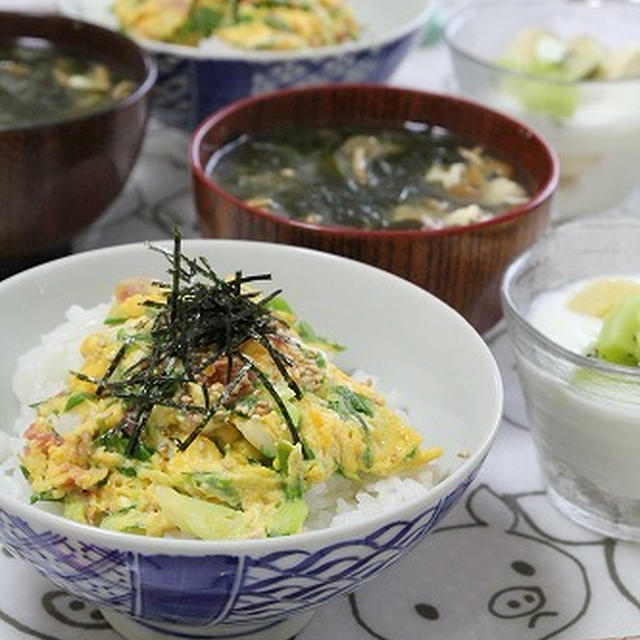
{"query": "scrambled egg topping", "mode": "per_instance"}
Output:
(248, 24)
(240, 472)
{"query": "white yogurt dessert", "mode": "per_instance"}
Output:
(598, 146)
(572, 72)
(585, 409)
(579, 94)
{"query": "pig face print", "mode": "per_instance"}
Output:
(501, 583)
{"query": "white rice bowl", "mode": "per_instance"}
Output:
(450, 386)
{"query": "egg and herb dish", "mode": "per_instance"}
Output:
(248, 24)
(207, 409)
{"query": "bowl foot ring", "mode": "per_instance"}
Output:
(132, 629)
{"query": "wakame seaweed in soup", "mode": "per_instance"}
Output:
(415, 177)
(41, 82)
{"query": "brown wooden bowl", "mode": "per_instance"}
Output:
(463, 265)
(57, 178)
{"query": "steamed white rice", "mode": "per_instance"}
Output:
(42, 372)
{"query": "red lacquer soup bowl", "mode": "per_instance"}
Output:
(61, 169)
(462, 265)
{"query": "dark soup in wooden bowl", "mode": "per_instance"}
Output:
(414, 177)
(44, 82)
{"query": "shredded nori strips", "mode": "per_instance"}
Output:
(204, 319)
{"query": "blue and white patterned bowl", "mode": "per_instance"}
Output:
(151, 588)
(193, 82)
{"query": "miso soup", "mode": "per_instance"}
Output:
(41, 83)
(415, 177)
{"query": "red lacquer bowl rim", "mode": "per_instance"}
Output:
(544, 191)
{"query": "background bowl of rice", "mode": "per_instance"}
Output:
(424, 355)
(194, 81)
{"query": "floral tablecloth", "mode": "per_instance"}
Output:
(505, 565)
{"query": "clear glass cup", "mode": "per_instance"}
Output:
(584, 412)
(593, 125)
